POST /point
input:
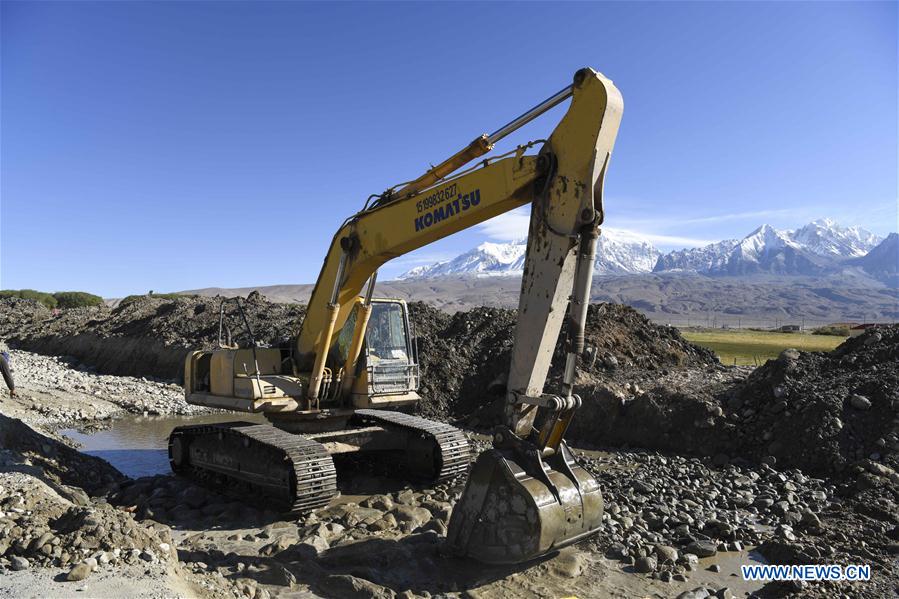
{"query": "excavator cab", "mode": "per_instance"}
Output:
(386, 371)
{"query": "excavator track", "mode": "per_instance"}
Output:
(453, 454)
(258, 463)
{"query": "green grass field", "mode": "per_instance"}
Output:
(754, 347)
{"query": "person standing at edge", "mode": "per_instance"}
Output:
(4, 369)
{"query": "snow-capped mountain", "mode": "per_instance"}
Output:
(818, 248)
(622, 252)
(617, 252)
(822, 247)
(703, 259)
(827, 238)
(486, 259)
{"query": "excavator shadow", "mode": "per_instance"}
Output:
(414, 562)
(374, 474)
(184, 505)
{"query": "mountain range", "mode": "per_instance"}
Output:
(820, 248)
(816, 274)
(617, 252)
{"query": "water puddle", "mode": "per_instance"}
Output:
(138, 445)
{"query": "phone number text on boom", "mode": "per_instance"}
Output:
(435, 198)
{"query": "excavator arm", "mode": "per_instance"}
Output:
(527, 496)
(563, 183)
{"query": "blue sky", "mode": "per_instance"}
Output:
(169, 146)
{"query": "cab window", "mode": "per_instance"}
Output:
(385, 336)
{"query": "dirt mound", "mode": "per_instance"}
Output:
(830, 414)
(151, 336)
(192, 322)
(624, 337)
(823, 412)
(465, 357)
(18, 314)
(46, 529)
(23, 448)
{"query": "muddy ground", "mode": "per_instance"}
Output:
(703, 467)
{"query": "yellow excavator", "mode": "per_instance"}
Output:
(349, 380)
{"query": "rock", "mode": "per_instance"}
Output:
(714, 568)
(282, 543)
(386, 523)
(809, 518)
(18, 563)
(702, 548)
(436, 525)
(406, 496)
(411, 517)
(317, 542)
(860, 402)
(351, 587)
(698, 593)
(872, 338)
(568, 564)
(379, 502)
(646, 564)
(641, 487)
(882, 470)
(689, 559)
(666, 553)
(79, 572)
(789, 354)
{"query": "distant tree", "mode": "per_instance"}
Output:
(30, 294)
(77, 299)
(836, 330)
(128, 299)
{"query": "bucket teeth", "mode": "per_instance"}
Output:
(508, 515)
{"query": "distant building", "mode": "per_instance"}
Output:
(790, 328)
(861, 328)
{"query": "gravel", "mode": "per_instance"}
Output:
(64, 376)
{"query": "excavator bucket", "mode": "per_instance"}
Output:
(516, 508)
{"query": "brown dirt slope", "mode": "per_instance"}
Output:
(465, 356)
(146, 337)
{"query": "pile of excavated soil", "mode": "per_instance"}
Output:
(148, 336)
(60, 464)
(823, 412)
(17, 314)
(43, 528)
(465, 357)
(627, 339)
